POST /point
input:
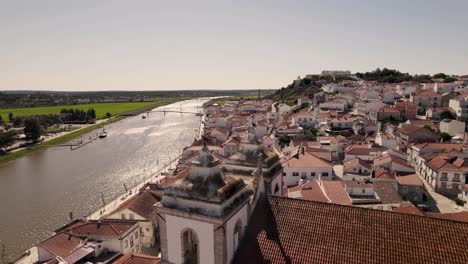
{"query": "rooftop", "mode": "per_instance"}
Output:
(284, 230)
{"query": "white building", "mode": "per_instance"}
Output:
(303, 119)
(460, 106)
(452, 127)
(305, 166)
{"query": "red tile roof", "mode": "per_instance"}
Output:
(358, 162)
(460, 216)
(411, 209)
(336, 192)
(142, 204)
(99, 228)
(135, 258)
(412, 180)
(62, 244)
(284, 230)
(309, 191)
(306, 160)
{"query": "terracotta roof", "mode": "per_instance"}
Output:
(309, 191)
(135, 258)
(442, 162)
(442, 146)
(363, 150)
(336, 192)
(307, 160)
(358, 162)
(284, 230)
(383, 173)
(143, 204)
(98, 228)
(232, 141)
(387, 192)
(460, 216)
(62, 244)
(411, 209)
(427, 92)
(412, 180)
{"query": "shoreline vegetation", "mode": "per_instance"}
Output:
(12, 156)
(223, 100)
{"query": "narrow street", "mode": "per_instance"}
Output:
(438, 201)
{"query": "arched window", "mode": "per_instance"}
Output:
(189, 247)
(237, 234)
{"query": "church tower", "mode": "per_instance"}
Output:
(202, 217)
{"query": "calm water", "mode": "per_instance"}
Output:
(37, 192)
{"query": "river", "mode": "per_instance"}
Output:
(38, 191)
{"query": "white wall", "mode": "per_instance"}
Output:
(242, 214)
(204, 231)
(290, 180)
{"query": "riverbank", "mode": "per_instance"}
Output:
(58, 181)
(12, 156)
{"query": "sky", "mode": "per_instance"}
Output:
(219, 44)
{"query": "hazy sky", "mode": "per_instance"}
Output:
(198, 44)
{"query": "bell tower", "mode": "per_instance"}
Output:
(202, 216)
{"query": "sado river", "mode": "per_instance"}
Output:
(37, 192)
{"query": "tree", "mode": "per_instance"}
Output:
(439, 76)
(445, 137)
(283, 140)
(7, 139)
(91, 113)
(32, 129)
(449, 79)
(10, 117)
(446, 115)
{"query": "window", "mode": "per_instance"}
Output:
(295, 174)
(444, 177)
(136, 234)
(455, 186)
(131, 216)
(126, 243)
(237, 234)
(122, 216)
(456, 177)
(189, 246)
(325, 174)
(131, 241)
(443, 184)
(312, 174)
(284, 173)
(363, 190)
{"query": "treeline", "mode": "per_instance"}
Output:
(394, 76)
(10, 99)
(70, 115)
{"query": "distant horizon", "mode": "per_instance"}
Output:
(213, 89)
(167, 45)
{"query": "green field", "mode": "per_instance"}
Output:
(100, 108)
